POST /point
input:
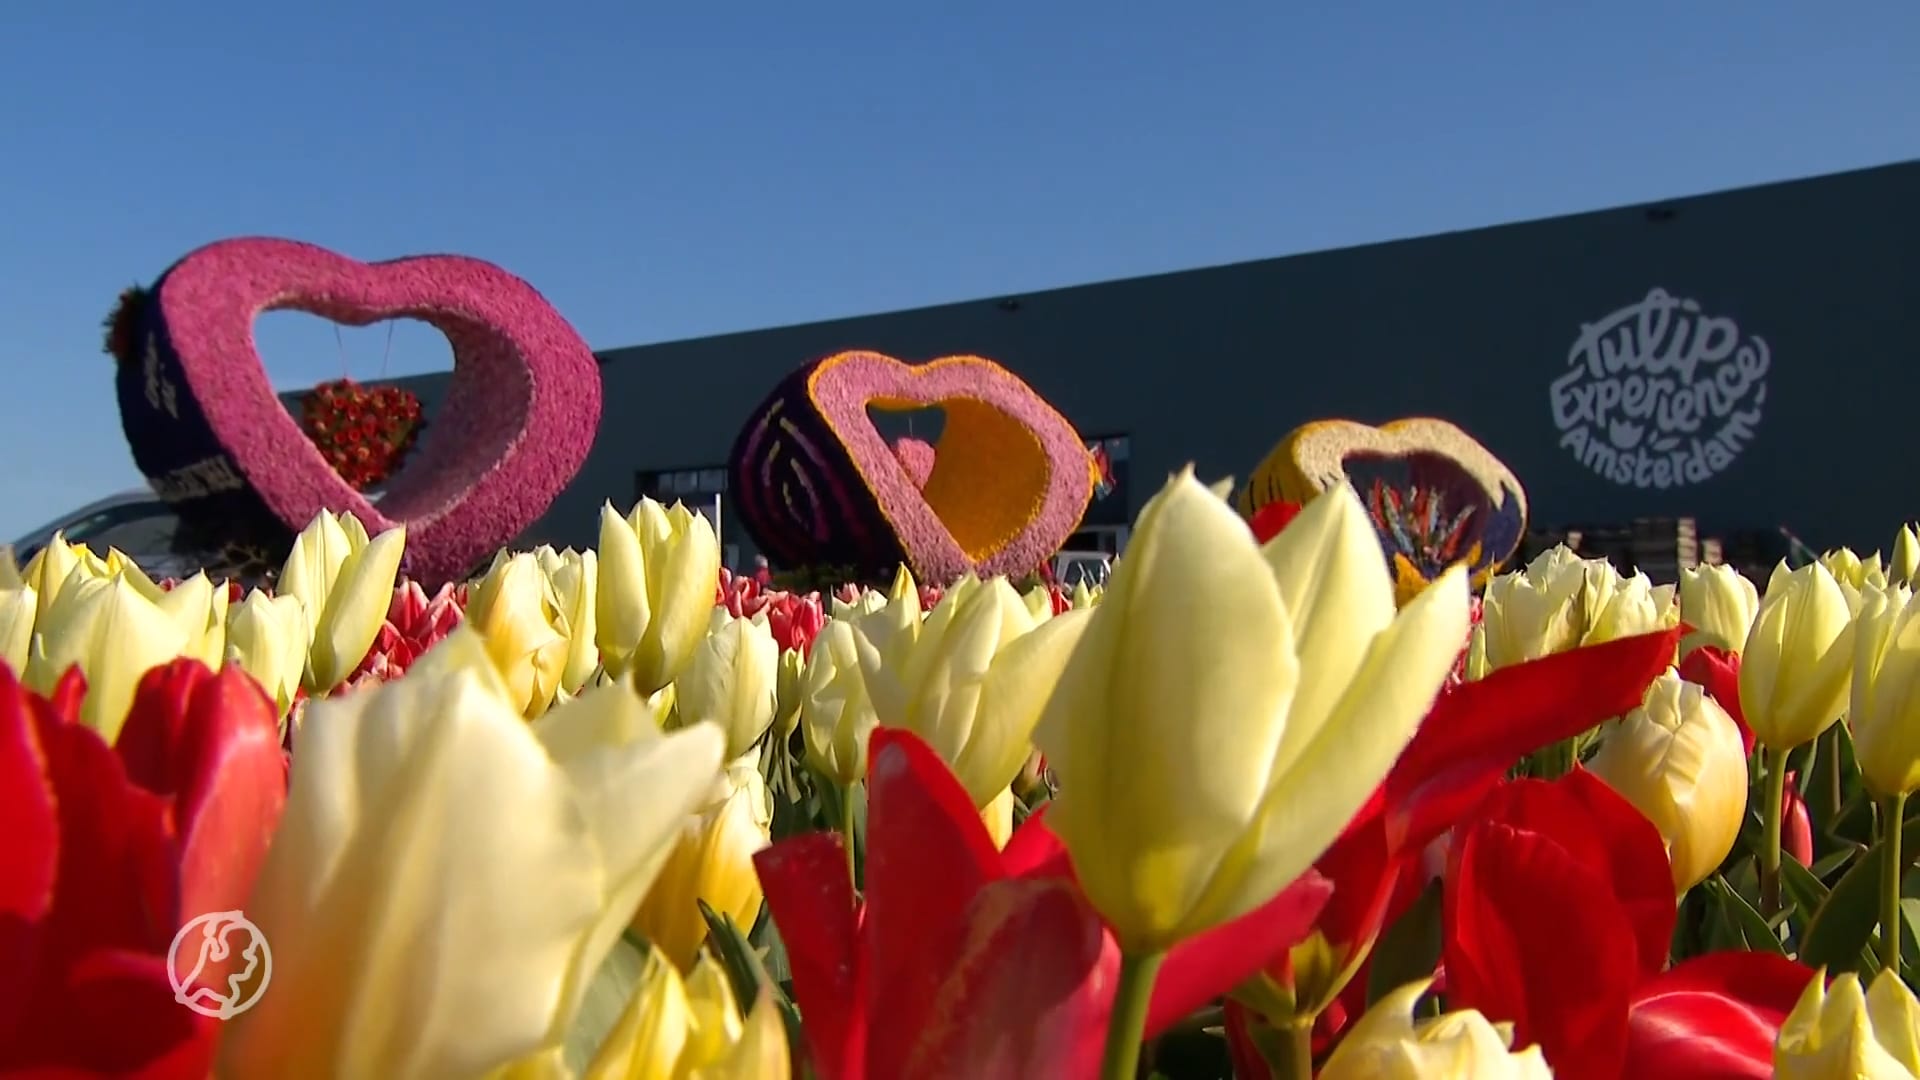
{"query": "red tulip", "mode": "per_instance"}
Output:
(967, 961)
(104, 850)
(1558, 913)
(415, 623)
(1271, 518)
(1473, 735)
(1796, 824)
(1717, 671)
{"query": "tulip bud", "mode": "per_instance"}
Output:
(575, 577)
(114, 634)
(267, 638)
(1679, 761)
(1906, 556)
(712, 862)
(1386, 1044)
(1795, 667)
(657, 574)
(733, 680)
(346, 582)
(1884, 699)
(834, 708)
(17, 607)
(519, 621)
(1214, 666)
(1719, 603)
(1836, 1031)
(1796, 824)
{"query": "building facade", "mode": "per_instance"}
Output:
(1745, 358)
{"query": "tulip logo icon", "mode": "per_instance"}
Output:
(203, 948)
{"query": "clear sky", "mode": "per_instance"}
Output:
(663, 175)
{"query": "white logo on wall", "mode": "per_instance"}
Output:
(212, 939)
(1660, 394)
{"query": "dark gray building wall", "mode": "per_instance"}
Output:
(1216, 365)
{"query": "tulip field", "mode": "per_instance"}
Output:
(1237, 813)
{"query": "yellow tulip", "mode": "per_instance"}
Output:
(866, 603)
(1839, 1033)
(1227, 709)
(1849, 569)
(733, 679)
(1622, 606)
(17, 606)
(267, 637)
(447, 878)
(346, 582)
(998, 816)
(10, 574)
(200, 607)
(1386, 1044)
(1561, 602)
(712, 861)
(1082, 597)
(1678, 758)
(658, 570)
(835, 712)
(575, 576)
(692, 1030)
(1906, 556)
(53, 565)
(1039, 601)
(789, 691)
(519, 618)
(114, 634)
(1884, 702)
(1798, 659)
(971, 679)
(1719, 603)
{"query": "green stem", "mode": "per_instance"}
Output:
(1890, 873)
(1129, 1018)
(1770, 848)
(847, 837)
(1296, 1063)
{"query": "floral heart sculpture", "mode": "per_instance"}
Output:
(212, 438)
(363, 432)
(1436, 495)
(816, 484)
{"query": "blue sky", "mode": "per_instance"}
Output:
(668, 175)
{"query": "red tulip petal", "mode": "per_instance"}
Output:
(129, 996)
(1248, 1064)
(1477, 730)
(1268, 521)
(1533, 936)
(1717, 671)
(1013, 994)
(1796, 824)
(1364, 872)
(810, 898)
(29, 847)
(212, 744)
(1713, 1017)
(1204, 967)
(1036, 850)
(68, 694)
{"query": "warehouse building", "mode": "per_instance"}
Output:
(1744, 358)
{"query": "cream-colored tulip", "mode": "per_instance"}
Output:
(267, 637)
(1039, 601)
(1849, 569)
(972, 680)
(11, 576)
(1387, 1044)
(789, 691)
(346, 581)
(733, 680)
(518, 617)
(712, 862)
(17, 607)
(575, 576)
(1838, 1033)
(658, 569)
(835, 712)
(1884, 699)
(1719, 602)
(1905, 565)
(114, 634)
(1622, 606)
(866, 603)
(1228, 708)
(691, 1030)
(1533, 612)
(1678, 758)
(447, 878)
(998, 816)
(199, 606)
(1798, 659)
(54, 565)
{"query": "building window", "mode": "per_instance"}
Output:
(694, 486)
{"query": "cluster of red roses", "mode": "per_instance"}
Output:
(364, 433)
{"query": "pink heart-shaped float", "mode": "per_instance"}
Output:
(208, 431)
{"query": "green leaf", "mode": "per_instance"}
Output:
(1824, 867)
(746, 972)
(606, 998)
(1754, 932)
(1409, 949)
(766, 942)
(1800, 886)
(1843, 927)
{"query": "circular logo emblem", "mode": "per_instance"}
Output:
(1660, 394)
(199, 950)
